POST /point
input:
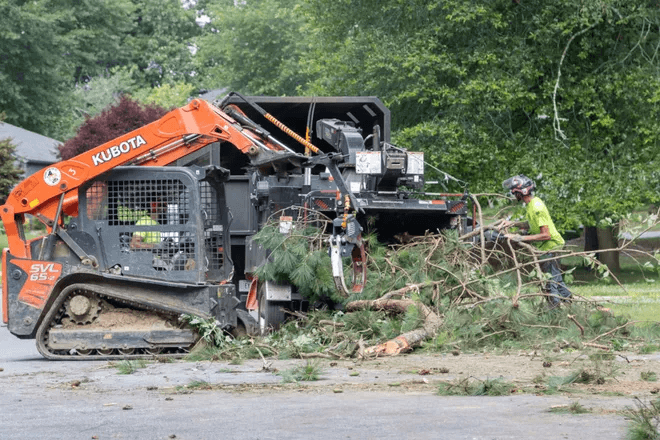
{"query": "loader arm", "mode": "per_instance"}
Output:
(51, 193)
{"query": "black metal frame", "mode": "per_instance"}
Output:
(188, 239)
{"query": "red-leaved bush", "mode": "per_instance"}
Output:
(122, 118)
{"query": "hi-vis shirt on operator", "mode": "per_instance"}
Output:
(537, 215)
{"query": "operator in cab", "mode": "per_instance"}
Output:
(148, 239)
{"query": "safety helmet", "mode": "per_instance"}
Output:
(519, 184)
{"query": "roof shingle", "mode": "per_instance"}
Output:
(30, 146)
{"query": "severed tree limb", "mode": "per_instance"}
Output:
(394, 268)
(361, 349)
(335, 354)
(518, 275)
(332, 323)
(458, 279)
(295, 313)
(266, 364)
(534, 252)
(267, 347)
(572, 318)
(602, 347)
(406, 341)
(536, 263)
(399, 292)
(495, 333)
(436, 243)
(481, 231)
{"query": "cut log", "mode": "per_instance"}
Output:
(406, 341)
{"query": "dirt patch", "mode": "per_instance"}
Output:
(529, 372)
(113, 318)
(621, 387)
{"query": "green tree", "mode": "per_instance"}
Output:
(99, 93)
(10, 174)
(168, 96)
(89, 99)
(152, 35)
(50, 49)
(94, 34)
(161, 42)
(31, 66)
(254, 47)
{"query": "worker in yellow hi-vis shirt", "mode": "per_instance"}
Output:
(542, 234)
(147, 239)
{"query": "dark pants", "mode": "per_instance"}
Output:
(554, 286)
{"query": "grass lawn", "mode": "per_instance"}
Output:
(638, 297)
(640, 301)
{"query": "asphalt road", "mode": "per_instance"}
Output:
(38, 401)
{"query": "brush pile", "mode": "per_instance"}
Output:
(441, 292)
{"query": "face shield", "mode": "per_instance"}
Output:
(512, 182)
(519, 185)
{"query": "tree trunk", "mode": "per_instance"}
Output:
(590, 239)
(603, 238)
(608, 239)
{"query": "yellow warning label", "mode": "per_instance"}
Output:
(34, 203)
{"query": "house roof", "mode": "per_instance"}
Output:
(30, 146)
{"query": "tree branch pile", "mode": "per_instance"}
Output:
(454, 290)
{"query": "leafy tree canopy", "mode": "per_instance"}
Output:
(49, 48)
(32, 68)
(97, 94)
(256, 47)
(9, 172)
(90, 98)
(168, 96)
(160, 42)
(564, 92)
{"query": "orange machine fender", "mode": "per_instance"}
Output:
(41, 277)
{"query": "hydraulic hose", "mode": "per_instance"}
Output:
(277, 123)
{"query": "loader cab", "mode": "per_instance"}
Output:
(164, 223)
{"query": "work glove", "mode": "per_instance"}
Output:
(506, 224)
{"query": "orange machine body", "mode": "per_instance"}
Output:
(51, 194)
(177, 134)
